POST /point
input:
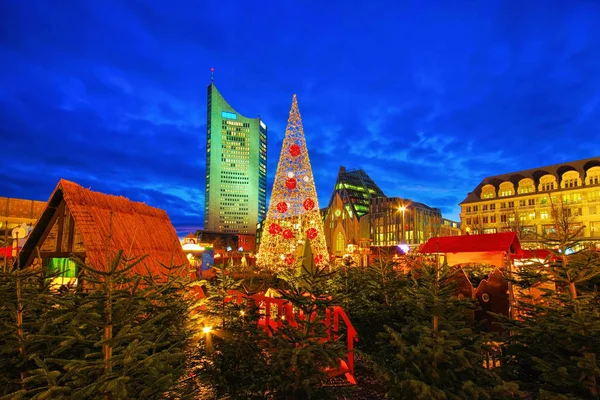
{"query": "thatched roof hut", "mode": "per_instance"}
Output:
(94, 226)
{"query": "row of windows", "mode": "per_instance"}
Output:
(543, 215)
(566, 198)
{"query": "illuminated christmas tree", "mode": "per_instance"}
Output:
(293, 229)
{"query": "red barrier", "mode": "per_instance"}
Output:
(285, 310)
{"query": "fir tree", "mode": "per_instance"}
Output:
(554, 345)
(122, 338)
(240, 358)
(438, 354)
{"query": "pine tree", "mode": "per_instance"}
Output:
(438, 354)
(123, 338)
(554, 346)
(22, 306)
(239, 358)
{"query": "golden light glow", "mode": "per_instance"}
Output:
(293, 218)
(206, 329)
(242, 313)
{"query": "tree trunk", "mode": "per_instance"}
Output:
(20, 333)
(108, 328)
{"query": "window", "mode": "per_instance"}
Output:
(544, 215)
(492, 219)
(525, 189)
(521, 203)
(492, 207)
(511, 204)
(485, 220)
(506, 192)
(61, 272)
(502, 205)
(531, 215)
(547, 186)
(592, 210)
(340, 243)
(468, 208)
(544, 201)
(531, 202)
(570, 183)
(489, 230)
(475, 208)
(468, 221)
(503, 218)
(484, 207)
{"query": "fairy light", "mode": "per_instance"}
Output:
(293, 216)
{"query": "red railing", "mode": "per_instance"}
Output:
(285, 311)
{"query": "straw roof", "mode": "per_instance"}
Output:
(109, 223)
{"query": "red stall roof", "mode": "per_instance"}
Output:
(505, 241)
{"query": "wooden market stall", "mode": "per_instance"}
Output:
(95, 226)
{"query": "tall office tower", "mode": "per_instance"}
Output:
(236, 168)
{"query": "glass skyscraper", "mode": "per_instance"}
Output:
(236, 168)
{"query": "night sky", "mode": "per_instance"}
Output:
(428, 100)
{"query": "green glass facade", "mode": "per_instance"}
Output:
(356, 188)
(236, 168)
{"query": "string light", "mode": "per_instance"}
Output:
(293, 217)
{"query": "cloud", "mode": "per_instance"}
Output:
(427, 100)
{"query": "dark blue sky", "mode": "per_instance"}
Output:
(428, 97)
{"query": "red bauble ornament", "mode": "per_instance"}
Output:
(282, 207)
(311, 233)
(274, 229)
(289, 259)
(318, 259)
(309, 204)
(295, 150)
(288, 234)
(290, 184)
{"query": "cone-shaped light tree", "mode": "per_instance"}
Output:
(293, 229)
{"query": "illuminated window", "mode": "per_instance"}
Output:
(62, 271)
(544, 215)
(340, 242)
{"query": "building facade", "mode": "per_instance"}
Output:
(395, 221)
(236, 168)
(526, 201)
(345, 219)
(17, 217)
